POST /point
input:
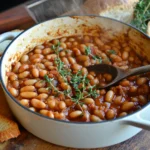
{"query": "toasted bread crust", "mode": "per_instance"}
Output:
(122, 10)
(8, 129)
(99, 6)
(117, 9)
(148, 28)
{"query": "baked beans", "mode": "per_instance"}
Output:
(53, 80)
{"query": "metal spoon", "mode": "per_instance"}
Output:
(117, 73)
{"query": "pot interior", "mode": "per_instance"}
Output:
(67, 26)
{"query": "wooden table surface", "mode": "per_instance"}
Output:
(17, 18)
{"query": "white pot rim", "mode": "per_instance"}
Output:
(57, 120)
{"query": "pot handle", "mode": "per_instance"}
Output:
(6, 38)
(140, 120)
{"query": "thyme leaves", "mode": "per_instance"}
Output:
(96, 57)
(141, 15)
(78, 82)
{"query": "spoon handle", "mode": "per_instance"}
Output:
(138, 70)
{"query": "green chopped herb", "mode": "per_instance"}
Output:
(141, 15)
(58, 44)
(59, 64)
(48, 80)
(97, 58)
(50, 84)
(56, 48)
(93, 92)
(87, 50)
(53, 47)
(78, 81)
(78, 97)
(64, 72)
(67, 92)
(85, 81)
(112, 51)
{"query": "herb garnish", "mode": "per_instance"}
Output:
(88, 52)
(78, 82)
(97, 58)
(63, 71)
(84, 81)
(67, 92)
(56, 47)
(50, 84)
(93, 92)
(75, 81)
(112, 51)
(141, 15)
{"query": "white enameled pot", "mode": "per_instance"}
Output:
(76, 135)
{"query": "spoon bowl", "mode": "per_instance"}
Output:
(117, 73)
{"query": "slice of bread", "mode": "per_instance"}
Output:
(122, 10)
(118, 9)
(8, 129)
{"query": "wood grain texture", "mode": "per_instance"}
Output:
(15, 18)
(27, 141)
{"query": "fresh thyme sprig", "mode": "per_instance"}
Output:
(141, 15)
(88, 52)
(78, 81)
(64, 72)
(51, 86)
(56, 48)
(92, 92)
(75, 81)
(112, 52)
(67, 93)
(59, 63)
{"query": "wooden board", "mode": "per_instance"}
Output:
(15, 18)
